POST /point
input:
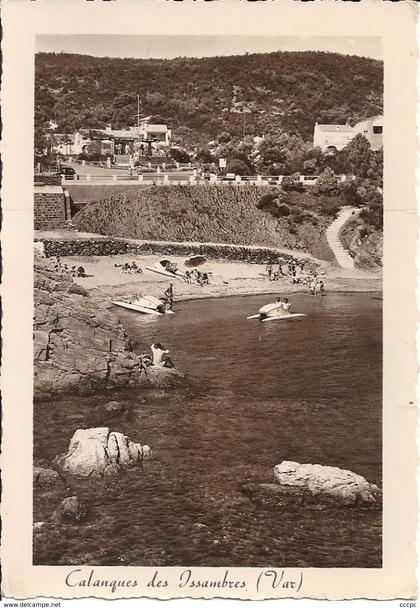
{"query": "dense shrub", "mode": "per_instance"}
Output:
(373, 213)
(298, 216)
(329, 206)
(291, 182)
(267, 201)
(283, 210)
(238, 166)
(179, 155)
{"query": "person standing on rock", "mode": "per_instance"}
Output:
(169, 295)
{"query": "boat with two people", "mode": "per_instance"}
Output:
(280, 310)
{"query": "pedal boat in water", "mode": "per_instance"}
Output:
(275, 312)
(148, 305)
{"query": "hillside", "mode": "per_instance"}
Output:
(201, 98)
(214, 214)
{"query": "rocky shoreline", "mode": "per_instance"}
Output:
(80, 346)
(73, 316)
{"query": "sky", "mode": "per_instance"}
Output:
(168, 47)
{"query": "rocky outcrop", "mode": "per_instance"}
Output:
(99, 452)
(364, 244)
(80, 346)
(333, 484)
(367, 250)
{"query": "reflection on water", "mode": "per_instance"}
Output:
(307, 390)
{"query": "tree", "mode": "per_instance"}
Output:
(179, 155)
(292, 182)
(273, 155)
(224, 137)
(327, 183)
(357, 156)
(204, 156)
(40, 140)
(238, 166)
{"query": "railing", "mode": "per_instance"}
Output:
(171, 179)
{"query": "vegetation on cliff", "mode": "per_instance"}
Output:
(201, 99)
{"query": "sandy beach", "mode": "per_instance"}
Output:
(227, 279)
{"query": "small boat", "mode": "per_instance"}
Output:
(161, 268)
(285, 317)
(148, 305)
(195, 260)
(275, 312)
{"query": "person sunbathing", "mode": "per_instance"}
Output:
(160, 356)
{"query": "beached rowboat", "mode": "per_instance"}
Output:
(148, 305)
(161, 268)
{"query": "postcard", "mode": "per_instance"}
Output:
(209, 364)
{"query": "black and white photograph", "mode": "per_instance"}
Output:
(209, 315)
(208, 301)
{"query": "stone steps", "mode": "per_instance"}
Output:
(341, 254)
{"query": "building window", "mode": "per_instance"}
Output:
(377, 130)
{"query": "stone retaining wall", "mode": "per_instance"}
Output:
(113, 246)
(47, 179)
(49, 208)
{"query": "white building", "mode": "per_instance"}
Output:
(372, 128)
(331, 138)
(115, 141)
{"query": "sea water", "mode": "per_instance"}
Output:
(307, 390)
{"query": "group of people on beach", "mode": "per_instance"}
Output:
(317, 286)
(129, 268)
(58, 266)
(295, 270)
(291, 269)
(197, 277)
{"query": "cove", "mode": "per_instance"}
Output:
(308, 390)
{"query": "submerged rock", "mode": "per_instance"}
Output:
(47, 478)
(99, 451)
(113, 407)
(332, 484)
(70, 510)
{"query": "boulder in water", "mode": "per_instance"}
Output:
(46, 478)
(70, 510)
(99, 451)
(113, 407)
(331, 484)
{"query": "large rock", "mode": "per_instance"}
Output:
(70, 510)
(325, 483)
(80, 346)
(99, 451)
